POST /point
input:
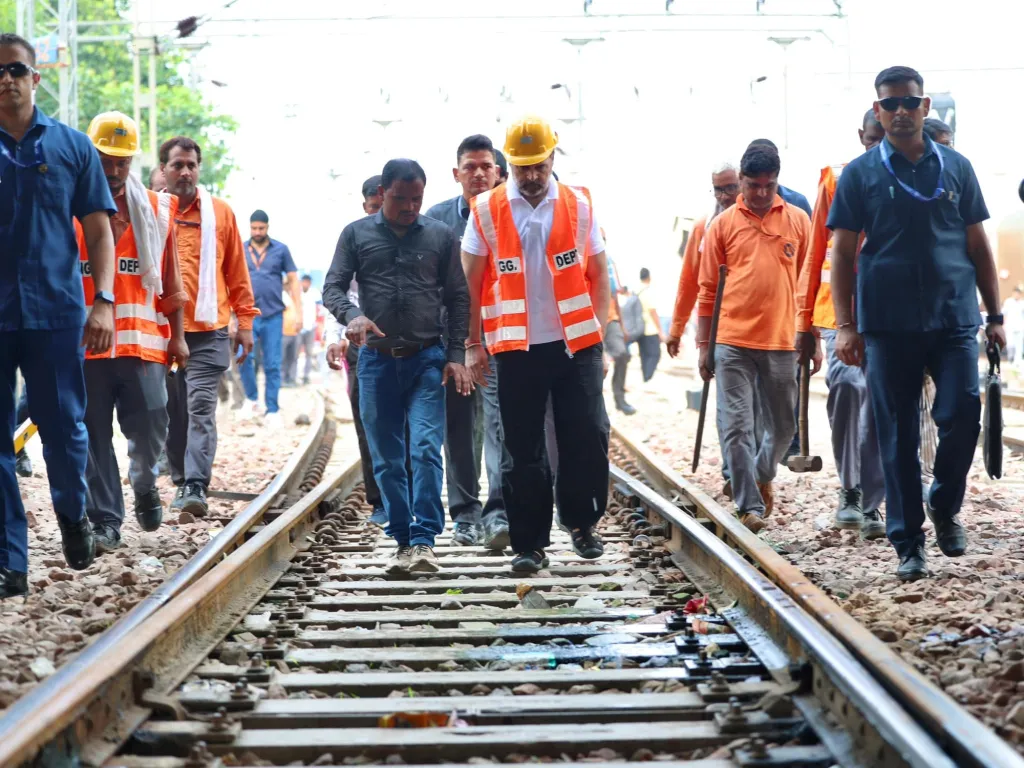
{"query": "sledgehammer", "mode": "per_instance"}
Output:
(803, 462)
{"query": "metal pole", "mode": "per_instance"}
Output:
(152, 106)
(136, 77)
(579, 93)
(785, 97)
(63, 73)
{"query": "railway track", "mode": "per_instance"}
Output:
(689, 636)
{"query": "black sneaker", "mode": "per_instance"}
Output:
(179, 498)
(13, 583)
(78, 543)
(23, 466)
(913, 566)
(849, 510)
(149, 510)
(872, 526)
(194, 500)
(586, 544)
(529, 562)
(465, 535)
(107, 538)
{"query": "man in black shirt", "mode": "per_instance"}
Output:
(409, 267)
(476, 172)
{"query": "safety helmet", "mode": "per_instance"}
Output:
(529, 141)
(115, 134)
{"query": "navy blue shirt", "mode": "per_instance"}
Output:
(793, 197)
(265, 275)
(913, 272)
(454, 213)
(40, 277)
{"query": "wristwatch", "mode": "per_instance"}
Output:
(105, 296)
(993, 319)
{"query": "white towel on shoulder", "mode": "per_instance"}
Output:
(148, 243)
(206, 301)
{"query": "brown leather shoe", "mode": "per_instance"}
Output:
(769, 497)
(754, 523)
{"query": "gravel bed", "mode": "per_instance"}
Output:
(963, 627)
(65, 609)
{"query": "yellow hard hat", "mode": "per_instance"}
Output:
(529, 141)
(115, 134)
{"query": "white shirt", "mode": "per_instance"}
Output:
(310, 300)
(333, 329)
(534, 227)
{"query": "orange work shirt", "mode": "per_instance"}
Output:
(763, 256)
(686, 293)
(814, 290)
(234, 290)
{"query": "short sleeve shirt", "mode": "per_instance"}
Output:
(56, 178)
(266, 275)
(913, 272)
(534, 227)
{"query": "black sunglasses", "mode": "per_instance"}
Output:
(892, 103)
(17, 69)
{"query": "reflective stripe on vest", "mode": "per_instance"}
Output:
(504, 304)
(141, 331)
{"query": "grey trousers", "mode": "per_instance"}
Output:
(306, 347)
(615, 346)
(854, 439)
(742, 375)
(137, 389)
(192, 407)
(495, 456)
(289, 358)
(462, 459)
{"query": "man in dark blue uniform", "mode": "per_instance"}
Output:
(924, 257)
(49, 174)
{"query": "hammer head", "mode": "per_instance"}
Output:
(804, 463)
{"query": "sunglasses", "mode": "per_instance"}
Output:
(892, 103)
(17, 69)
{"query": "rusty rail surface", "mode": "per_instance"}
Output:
(36, 712)
(965, 738)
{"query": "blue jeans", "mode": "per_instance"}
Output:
(266, 334)
(393, 393)
(895, 371)
(51, 362)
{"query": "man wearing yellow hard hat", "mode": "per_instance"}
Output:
(538, 283)
(148, 337)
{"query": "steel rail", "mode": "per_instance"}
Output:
(790, 625)
(35, 714)
(966, 739)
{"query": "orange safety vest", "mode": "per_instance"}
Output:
(139, 329)
(824, 313)
(504, 308)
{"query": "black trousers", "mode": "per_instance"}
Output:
(525, 379)
(461, 455)
(372, 491)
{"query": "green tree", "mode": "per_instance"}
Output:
(105, 84)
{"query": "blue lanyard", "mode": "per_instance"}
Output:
(886, 151)
(37, 152)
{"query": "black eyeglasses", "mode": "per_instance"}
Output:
(17, 69)
(892, 103)
(728, 189)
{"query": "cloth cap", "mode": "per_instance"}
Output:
(259, 215)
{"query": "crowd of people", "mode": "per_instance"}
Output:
(885, 269)
(478, 335)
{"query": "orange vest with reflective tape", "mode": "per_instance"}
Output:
(139, 329)
(824, 313)
(504, 308)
